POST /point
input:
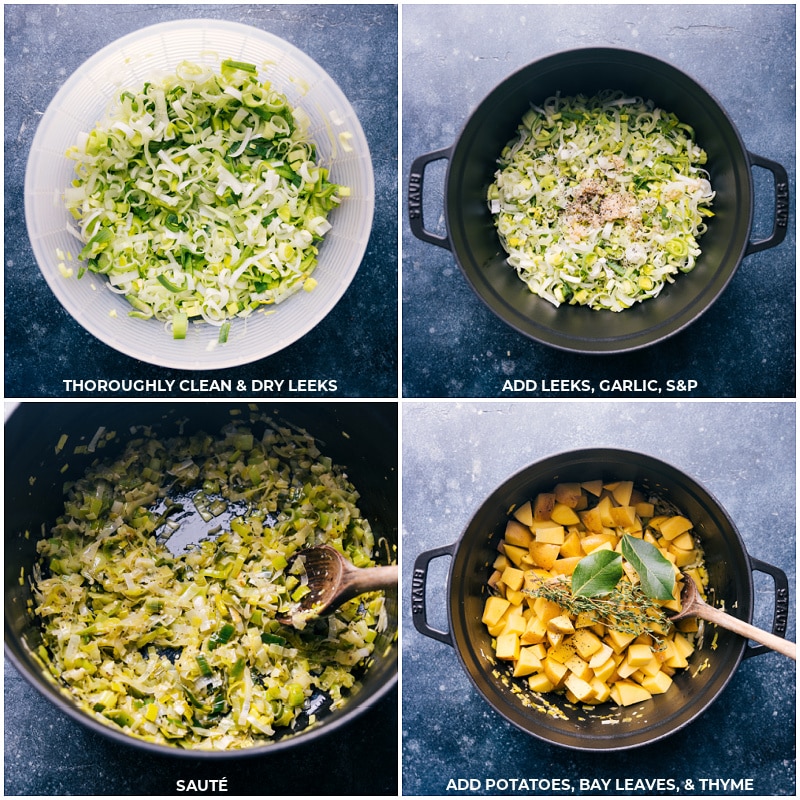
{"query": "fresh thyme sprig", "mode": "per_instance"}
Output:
(626, 608)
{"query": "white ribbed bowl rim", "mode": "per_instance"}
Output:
(128, 63)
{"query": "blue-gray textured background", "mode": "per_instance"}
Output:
(454, 55)
(356, 344)
(455, 454)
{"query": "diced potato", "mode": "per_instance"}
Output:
(513, 554)
(682, 645)
(623, 516)
(600, 656)
(639, 654)
(622, 492)
(517, 534)
(524, 514)
(577, 666)
(546, 609)
(565, 566)
(592, 520)
(579, 687)
(539, 682)
(593, 487)
(527, 662)
(586, 643)
(513, 578)
(594, 541)
(493, 609)
(535, 631)
(604, 509)
(544, 555)
(673, 527)
(564, 515)
(561, 624)
(586, 620)
(572, 545)
(554, 637)
(568, 494)
(516, 598)
(543, 505)
(600, 689)
(507, 647)
(684, 541)
(561, 653)
(551, 535)
(651, 667)
(628, 693)
(605, 670)
(644, 509)
(619, 640)
(555, 671)
(514, 622)
(658, 683)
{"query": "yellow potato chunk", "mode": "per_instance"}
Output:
(517, 534)
(544, 555)
(565, 566)
(552, 534)
(622, 492)
(507, 646)
(527, 662)
(639, 654)
(493, 609)
(564, 515)
(568, 494)
(673, 527)
(513, 578)
(624, 516)
(561, 624)
(593, 487)
(627, 693)
(524, 514)
(555, 671)
(572, 545)
(539, 682)
(586, 643)
(535, 631)
(579, 687)
(658, 683)
(543, 506)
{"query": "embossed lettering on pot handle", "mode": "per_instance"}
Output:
(780, 615)
(416, 181)
(781, 220)
(419, 581)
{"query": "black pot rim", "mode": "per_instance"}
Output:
(480, 675)
(596, 343)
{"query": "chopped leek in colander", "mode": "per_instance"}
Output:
(185, 648)
(200, 197)
(600, 201)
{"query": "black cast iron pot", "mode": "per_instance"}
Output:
(470, 232)
(361, 437)
(604, 728)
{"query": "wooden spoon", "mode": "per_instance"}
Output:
(692, 605)
(333, 580)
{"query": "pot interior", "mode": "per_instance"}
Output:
(476, 245)
(551, 717)
(360, 437)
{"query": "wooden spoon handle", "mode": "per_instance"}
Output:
(724, 620)
(370, 579)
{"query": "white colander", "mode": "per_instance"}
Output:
(128, 63)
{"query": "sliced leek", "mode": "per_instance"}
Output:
(601, 201)
(201, 195)
(186, 648)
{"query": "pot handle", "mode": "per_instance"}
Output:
(781, 220)
(780, 615)
(416, 181)
(418, 586)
